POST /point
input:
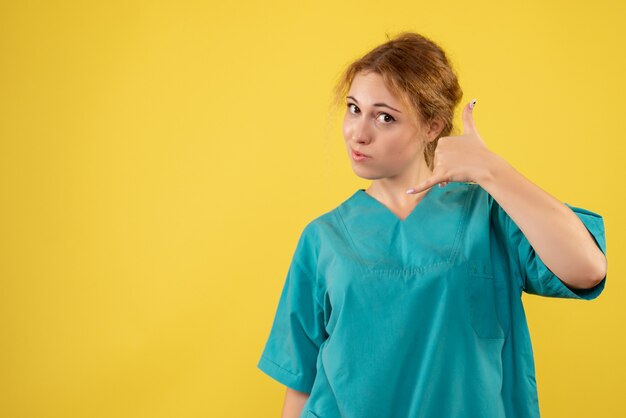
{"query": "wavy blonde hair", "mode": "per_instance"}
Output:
(417, 71)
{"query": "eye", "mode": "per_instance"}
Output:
(389, 116)
(387, 121)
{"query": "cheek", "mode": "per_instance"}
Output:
(346, 130)
(402, 148)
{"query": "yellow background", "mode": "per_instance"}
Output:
(158, 161)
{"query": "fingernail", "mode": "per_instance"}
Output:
(410, 191)
(472, 103)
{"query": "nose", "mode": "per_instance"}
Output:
(360, 132)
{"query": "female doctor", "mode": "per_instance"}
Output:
(405, 300)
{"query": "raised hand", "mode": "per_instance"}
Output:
(458, 158)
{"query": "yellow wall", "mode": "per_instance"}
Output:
(158, 161)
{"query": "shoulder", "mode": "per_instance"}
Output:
(317, 226)
(470, 195)
(477, 196)
(330, 221)
(476, 203)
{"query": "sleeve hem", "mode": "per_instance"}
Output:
(563, 290)
(297, 382)
(550, 284)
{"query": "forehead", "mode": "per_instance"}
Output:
(370, 88)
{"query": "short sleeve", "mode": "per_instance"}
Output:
(290, 353)
(536, 277)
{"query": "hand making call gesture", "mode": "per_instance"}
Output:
(458, 158)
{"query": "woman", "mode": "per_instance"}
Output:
(405, 300)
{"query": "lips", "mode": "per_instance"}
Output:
(359, 154)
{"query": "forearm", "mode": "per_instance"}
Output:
(554, 231)
(294, 403)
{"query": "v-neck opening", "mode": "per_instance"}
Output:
(388, 210)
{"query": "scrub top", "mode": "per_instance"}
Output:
(381, 317)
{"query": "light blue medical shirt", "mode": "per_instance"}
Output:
(381, 317)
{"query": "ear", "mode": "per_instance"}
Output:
(434, 128)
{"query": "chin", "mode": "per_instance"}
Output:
(367, 174)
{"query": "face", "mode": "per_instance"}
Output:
(377, 125)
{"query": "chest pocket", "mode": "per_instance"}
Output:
(480, 295)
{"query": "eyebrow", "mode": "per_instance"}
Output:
(375, 104)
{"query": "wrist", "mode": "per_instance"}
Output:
(493, 169)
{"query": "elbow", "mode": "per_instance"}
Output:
(597, 273)
(597, 269)
(588, 278)
(600, 272)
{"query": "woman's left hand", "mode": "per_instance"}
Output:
(459, 158)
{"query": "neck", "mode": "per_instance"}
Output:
(392, 190)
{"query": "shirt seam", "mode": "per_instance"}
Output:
(280, 367)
